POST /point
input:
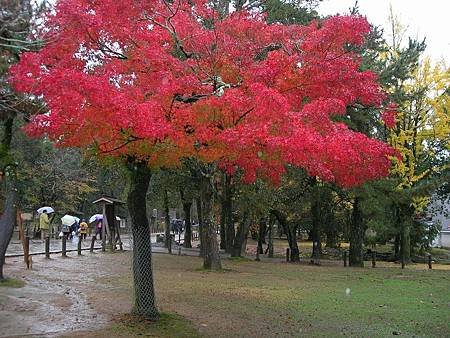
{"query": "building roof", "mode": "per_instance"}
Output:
(108, 200)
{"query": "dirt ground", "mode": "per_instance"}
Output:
(83, 297)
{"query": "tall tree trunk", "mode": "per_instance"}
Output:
(291, 233)
(223, 211)
(211, 258)
(144, 293)
(315, 230)
(262, 234)
(187, 224)
(405, 219)
(356, 257)
(397, 246)
(167, 239)
(405, 244)
(200, 224)
(9, 215)
(241, 236)
(229, 222)
(270, 245)
(187, 205)
(7, 219)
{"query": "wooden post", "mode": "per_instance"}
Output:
(118, 239)
(47, 247)
(64, 239)
(345, 258)
(104, 219)
(79, 246)
(430, 263)
(20, 224)
(403, 262)
(92, 244)
(288, 258)
(26, 249)
(169, 247)
(374, 259)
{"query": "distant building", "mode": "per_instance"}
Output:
(440, 213)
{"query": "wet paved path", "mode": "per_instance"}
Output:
(64, 295)
(37, 247)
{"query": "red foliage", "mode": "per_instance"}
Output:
(162, 81)
(389, 116)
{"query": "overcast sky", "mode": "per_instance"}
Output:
(429, 19)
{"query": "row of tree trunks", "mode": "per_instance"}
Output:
(144, 293)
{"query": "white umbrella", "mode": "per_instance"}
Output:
(48, 210)
(69, 220)
(97, 217)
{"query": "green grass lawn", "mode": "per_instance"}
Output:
(260, 299)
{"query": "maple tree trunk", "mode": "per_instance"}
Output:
(187, 224)
(144, 293)
(291, 233)
(356, 257)
(211, 257)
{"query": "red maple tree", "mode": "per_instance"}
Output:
(162, 81)
(158, 81)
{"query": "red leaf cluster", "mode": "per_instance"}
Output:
(389, 116)
(165, 80)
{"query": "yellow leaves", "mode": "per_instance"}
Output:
(423, 124)
(420, 203)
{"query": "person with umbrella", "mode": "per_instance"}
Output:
(44, 221)
(68, 225)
